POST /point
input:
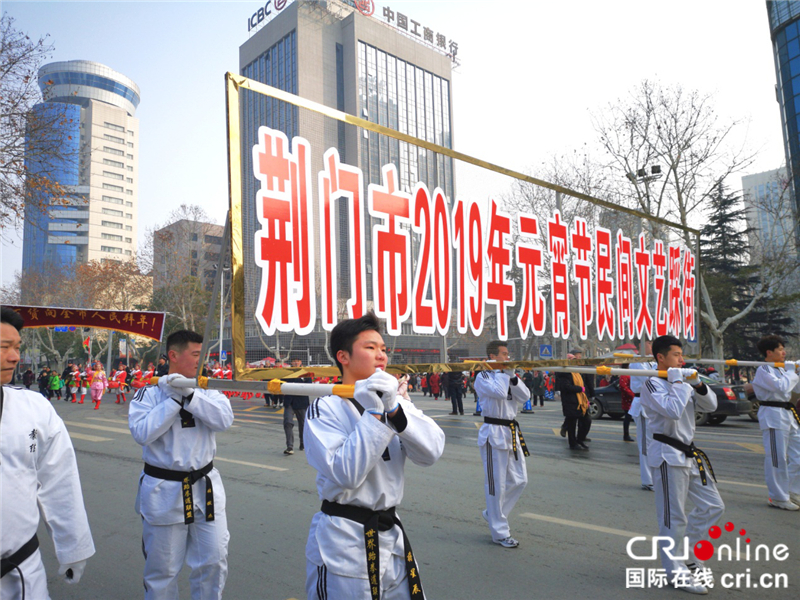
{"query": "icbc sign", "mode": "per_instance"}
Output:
(262, 13)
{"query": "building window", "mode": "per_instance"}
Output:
(213, 239)
(114, 151)
(128, 252)
(128, 228)
(116, 188)
(130, 132)
(110, 260)
(128, 203)
(113, 163)
(128, 240)
(111, 224)
(111, 249)
(113, 138)
(113, 175)
(129, 179)
(129, 168)
(194, 271)
(194, 253)
(194, 237)
(130, 144)
(128, 216)
(111, 236)
(129, 192)
(129, 155)
(114, 127)
(112, 200)
(111, 211)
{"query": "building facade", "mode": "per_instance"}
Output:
(91, 108)
(186, 248)
(770, 212)
(784, 26)
(330, 53)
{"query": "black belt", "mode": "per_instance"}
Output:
(637, 395)
(13, 562)
(691, 451)
(787, 405)
(516, 430)
(188, 478)
(373, 522)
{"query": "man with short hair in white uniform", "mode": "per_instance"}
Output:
(38, 475)
(181, 498)
(681, 471)
(500, 440)
(357, 547)
(780, 423)
(640, 417)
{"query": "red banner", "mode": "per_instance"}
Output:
(144, 323)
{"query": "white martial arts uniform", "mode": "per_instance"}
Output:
(38, 472)
(640, 418)
(780, 431)
(155, 422)
(505, 474)
(348, 452)
(676, 477)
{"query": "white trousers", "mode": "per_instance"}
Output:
(322, 585)
(673, 486)
(35, 580)
(641, 443)
(505, 478)
(782, 462)
(204, 547)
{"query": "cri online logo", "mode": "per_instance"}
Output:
(705, 549)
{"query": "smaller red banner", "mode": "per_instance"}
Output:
(144, 323)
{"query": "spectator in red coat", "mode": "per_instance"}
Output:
(434, 383)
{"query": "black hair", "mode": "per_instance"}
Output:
(178, 340)
(770, 342)
(494, 346)
(12, 317)
(663, 343)
(346, 332)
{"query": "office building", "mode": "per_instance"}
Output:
(770, 212)
(331, 53)
(186, 248)
(94, 215)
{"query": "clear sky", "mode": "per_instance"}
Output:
(531, 73)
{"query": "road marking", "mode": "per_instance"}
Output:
(757, 448)
(756, 485)
(579, 525)
(117, 421)
(252, 408)
(251, 421)
(100, 427)
(88, 438)
(249, 464)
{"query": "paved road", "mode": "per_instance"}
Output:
(573, 521)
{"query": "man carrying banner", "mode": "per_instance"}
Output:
(780, 424)
(38, 475)
(181, 498)
(502, 394)
(640, 417)
(357, 547)
(681, 471)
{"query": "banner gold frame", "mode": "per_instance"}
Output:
(233, 86)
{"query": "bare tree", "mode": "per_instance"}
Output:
(680, 131)
(35, 138)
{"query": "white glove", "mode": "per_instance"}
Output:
(691, 376)
(164, 383)
(674, 374)
(72, 572)
(385, 386)
(367, 398)
(510, 372)
(790, 364)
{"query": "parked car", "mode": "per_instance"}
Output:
(732, 401)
